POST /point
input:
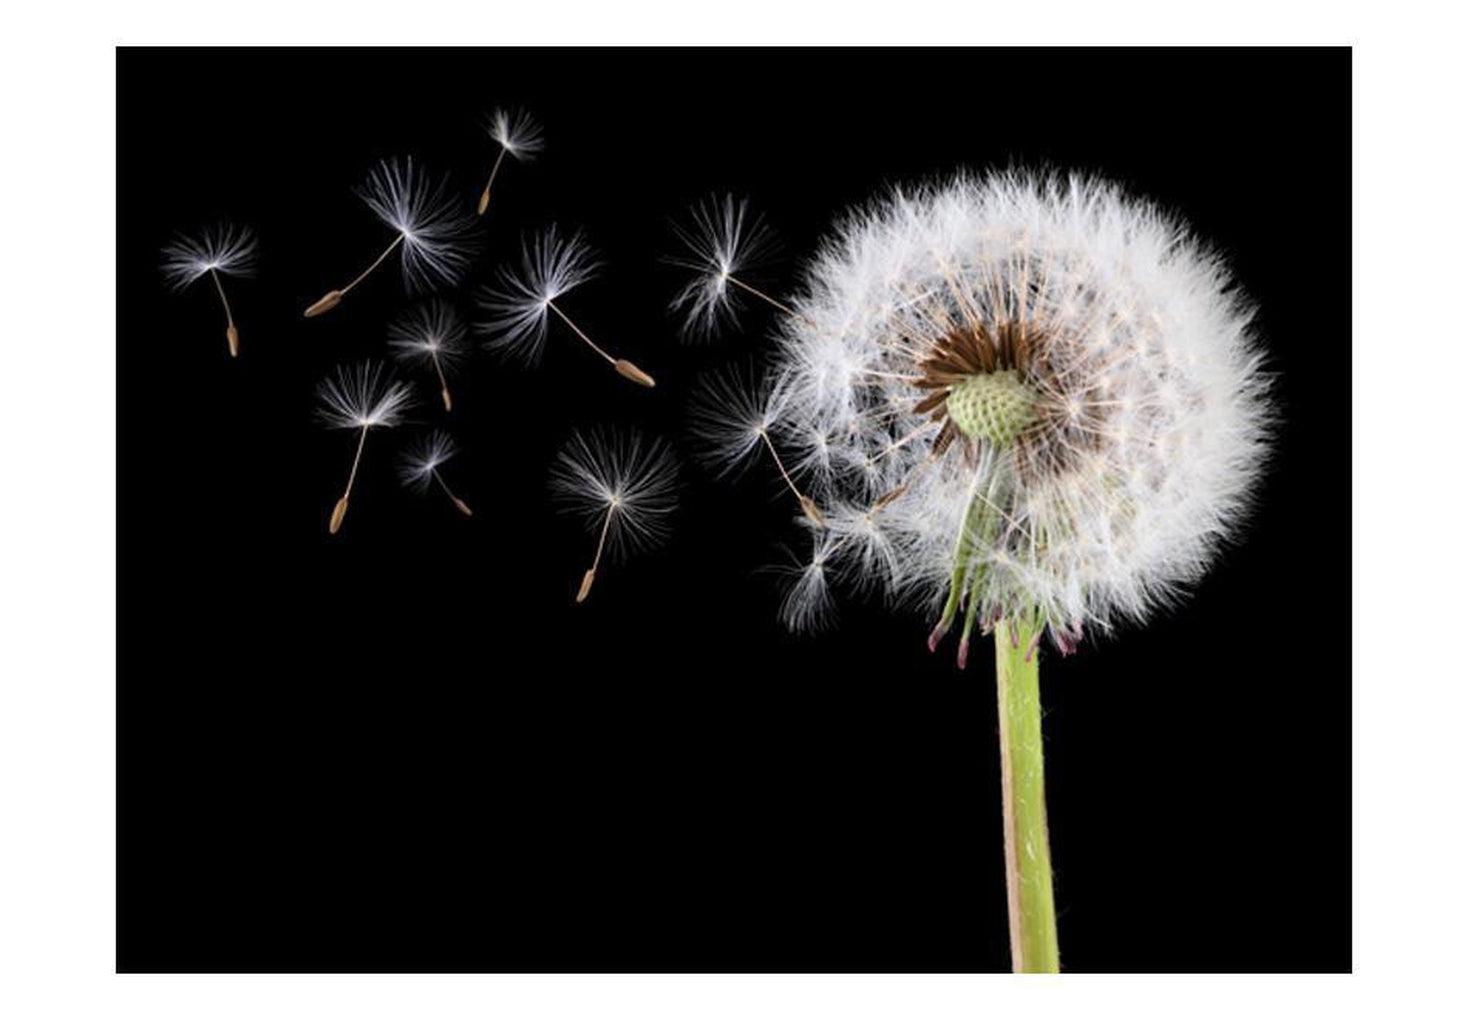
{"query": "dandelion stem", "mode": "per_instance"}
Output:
(340, 510)
(332, 298)
(577, 330)
(807, 505)
(459, 503)
(768, 300)
(484, 198)
(231, 335)
(589, 577)
(376, 262)
(1034, 948)
(448, 402)
(624, 367)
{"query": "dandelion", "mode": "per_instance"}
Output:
(1032, 400)
(226, 250)
(731, 415)
(722, 242)
(430, 332)
(418, 469)
(518, 135)
(432, 235)
(623, 485)
(361, 396)
(519, 306)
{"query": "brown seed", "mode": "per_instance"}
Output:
(627, 370)
(484, 200)
(327, 302)
(812, 511)
(336, 516)
(448, 403)
(586, 582)
(233, 336)
(463, 507)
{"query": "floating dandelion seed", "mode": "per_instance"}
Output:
(419, 466)
(360, 396)
(434, 236)
(519, 306)
(731, 416)
(722, 243)
(518, 135)
(1033, 400)
(225, 250)
(430, 332)
(623, 484)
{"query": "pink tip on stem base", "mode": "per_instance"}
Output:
(936, 636)
(963, 653)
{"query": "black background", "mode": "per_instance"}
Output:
(403, 748)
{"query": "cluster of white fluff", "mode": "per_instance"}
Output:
(1151, 411)
(621, 480)
(517, 307)
(225, 248)
(360, 396)
(517, 132)
(435, 229)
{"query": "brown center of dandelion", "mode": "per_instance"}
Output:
(976, 379)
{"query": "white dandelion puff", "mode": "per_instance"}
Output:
(721, 244)
(433, 333)
(223, 250)
(730, 417)
(361, 396)
(1045, 392)
(623, 485)
(418, 469)
(518, 135)
(519, 306)
(434, 237)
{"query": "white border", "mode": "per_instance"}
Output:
(57, 538)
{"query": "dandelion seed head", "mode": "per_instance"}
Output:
(620, 473)
(423, 457)
(517, 306)
(228, 249)
(1040, 379)
(721, 239)
(517, 132)
(427, 331)
(362, 395)
(437, 232)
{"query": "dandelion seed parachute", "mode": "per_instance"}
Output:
(434, 236)
(518, 135)
(731, 417)
(431, 332)
(223, 250)
(623, 484)
(418, 469)
(519, 305)
(364, 397)
(721, 243)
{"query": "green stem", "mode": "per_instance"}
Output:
(1032, 938)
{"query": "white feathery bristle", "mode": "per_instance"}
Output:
(518, 306)
(362, 396)
(730, 415)
(807, 604)
(226, 248)
(437, 233)
(630, 476)
(723, 239)
(428, 330)
(423, 458)
(517, 132)
(1145, 413)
